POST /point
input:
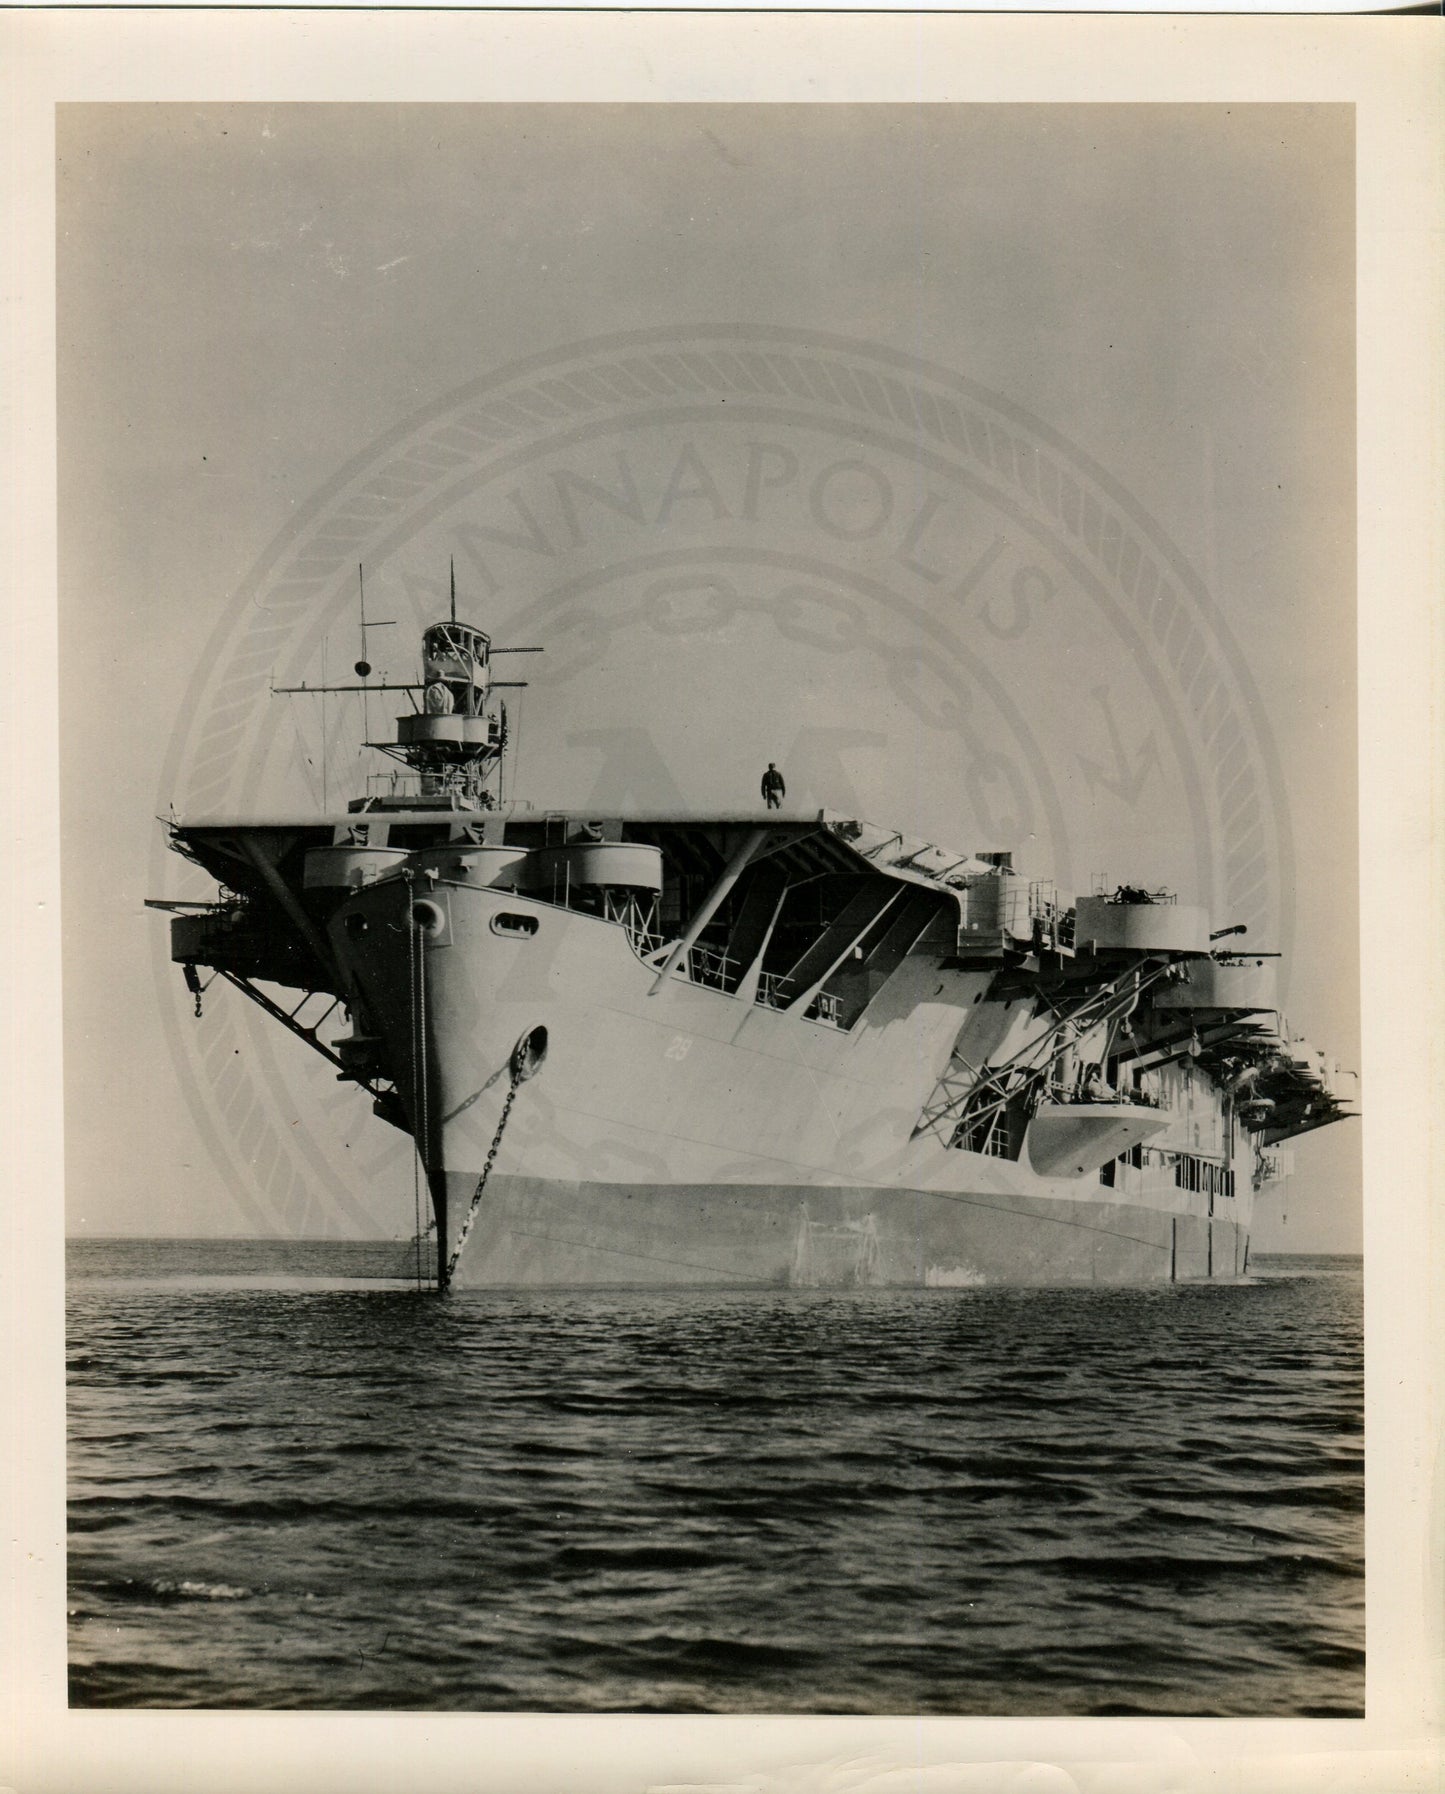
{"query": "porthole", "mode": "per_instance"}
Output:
(510, 923)
(356, 925)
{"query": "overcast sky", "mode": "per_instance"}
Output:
(249, 296)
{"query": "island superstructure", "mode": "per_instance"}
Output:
(767, 1047)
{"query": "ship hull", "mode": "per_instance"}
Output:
(544, 1232)
(675, 1134)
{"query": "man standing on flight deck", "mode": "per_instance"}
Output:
(774, 790)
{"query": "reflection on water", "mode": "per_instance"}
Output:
(293, 1489)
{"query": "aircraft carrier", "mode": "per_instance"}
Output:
(770, 1047)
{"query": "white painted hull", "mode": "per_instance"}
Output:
(683, 1135)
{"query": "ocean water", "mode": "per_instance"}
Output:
(295, 1482)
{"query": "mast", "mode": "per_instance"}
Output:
(454, 740)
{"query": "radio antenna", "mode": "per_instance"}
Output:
(323, 726)
(363, 666)
(454, 588)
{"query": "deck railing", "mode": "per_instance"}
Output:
(711, 967)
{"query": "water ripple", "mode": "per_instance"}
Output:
(944, 1501)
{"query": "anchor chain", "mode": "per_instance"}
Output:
(482, 1181)
(525, 1062)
